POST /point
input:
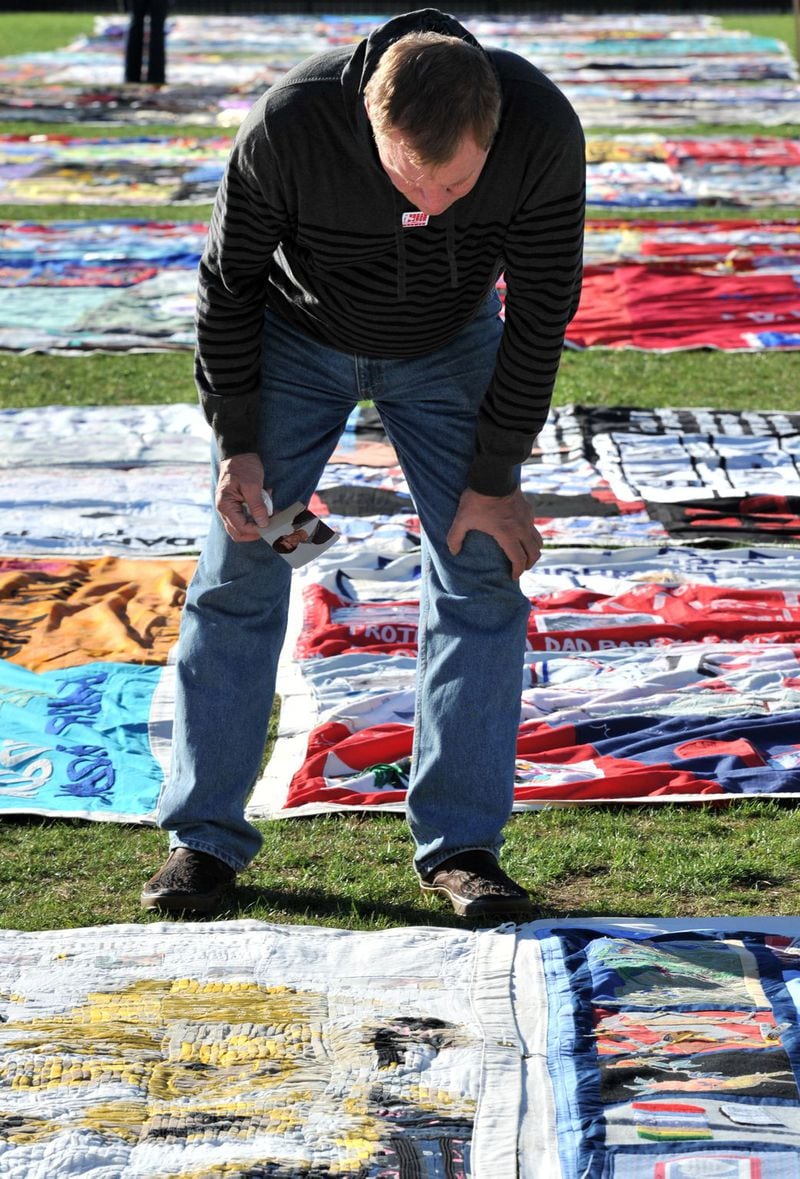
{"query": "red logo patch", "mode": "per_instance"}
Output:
(413, 220)
(740, 748)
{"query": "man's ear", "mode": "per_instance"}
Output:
(366, 106)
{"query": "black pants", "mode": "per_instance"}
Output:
(156, 11)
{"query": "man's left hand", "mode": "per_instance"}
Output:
(507, 518)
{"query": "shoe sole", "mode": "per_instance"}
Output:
(181, 902)
(516, 907)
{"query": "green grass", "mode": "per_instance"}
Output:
(354, 872)
(25, 127)
(111, 130)
(725, 380)
(39, 32)
(764, 25)
(38, 213)
(201, 213)
(694, 213)
(95, 379)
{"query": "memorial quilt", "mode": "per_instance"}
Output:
(629, 640)
(117, 436)
(62, 613)
(88, 742)
(576, 1050)
(687, 724)
(639, 306)
(149, 170)
(732, 519)
(644, 614)
(66, 253)
(645, 170)
(157, 509)
(27, 248)
(672, 652)
(654, 171)
(732, 244)
(130, 285)
(671, 455)
(677, 72)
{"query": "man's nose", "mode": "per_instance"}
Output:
(434, 199)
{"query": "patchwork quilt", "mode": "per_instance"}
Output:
(55, 253)
(641, 306)
(576, 1050)
(652, 675)
(117, 436)
(644, 170)
(130, 285)
(151, 313)
(648, 170)
(120, 104)
(87, 742)
(127, 481)
(730, 244)
(732, 519)
(97, 252)
(682, 455)
(88, 612)
(60, 613)
(158, 509)
(681, 72)
(654, 672)
(47, 169)
(599, 723)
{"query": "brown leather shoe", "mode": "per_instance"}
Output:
(189, 881)
(477, 886)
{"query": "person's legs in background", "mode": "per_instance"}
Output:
(156, 49)
(134, 41)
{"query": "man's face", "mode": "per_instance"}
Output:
(289, 542)
(431, 188)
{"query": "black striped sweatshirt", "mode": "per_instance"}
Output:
(307, 223)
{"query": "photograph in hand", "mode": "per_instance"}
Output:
(297, 535)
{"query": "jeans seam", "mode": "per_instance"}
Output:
(455, 851)
(422, 647)
(199, 846)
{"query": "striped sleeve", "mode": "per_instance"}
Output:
(543, 270)
(248, 221)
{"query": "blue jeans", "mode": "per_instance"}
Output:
(473, 617)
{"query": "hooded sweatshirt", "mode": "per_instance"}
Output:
(308, 224)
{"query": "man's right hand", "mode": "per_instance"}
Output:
(240, 484)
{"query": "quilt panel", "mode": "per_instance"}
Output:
(615, 1049)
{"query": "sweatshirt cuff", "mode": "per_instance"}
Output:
(234, 420)
(489, 475)
(498, 454)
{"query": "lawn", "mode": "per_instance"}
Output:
(773, 24)
(39, 32)
(350, 872)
